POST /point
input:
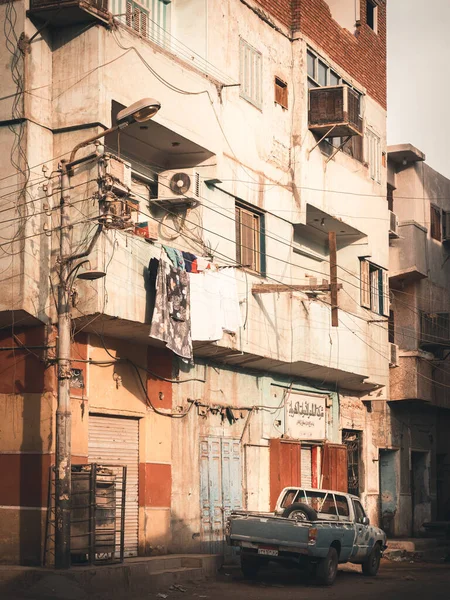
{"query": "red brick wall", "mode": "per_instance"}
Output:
(362, 54)
(280, 9)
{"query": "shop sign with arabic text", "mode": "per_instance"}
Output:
(305, 417)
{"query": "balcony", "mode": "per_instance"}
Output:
(407, 254)
(69, 12)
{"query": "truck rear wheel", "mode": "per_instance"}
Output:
(250, 566)
(372, 563)
(327, 568)
(300, 512)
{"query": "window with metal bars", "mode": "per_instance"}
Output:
(352, 439)
(250, 239)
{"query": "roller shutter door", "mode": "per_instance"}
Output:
(306, 457)
(115, 441)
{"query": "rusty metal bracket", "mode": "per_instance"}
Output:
(308, 152)
(337, 149)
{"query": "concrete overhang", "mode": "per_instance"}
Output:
(404, 153)
(156, 145)
(215, 352)
(323, 223)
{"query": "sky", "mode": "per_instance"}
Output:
(419, 78)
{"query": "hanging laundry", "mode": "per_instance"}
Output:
(189, 260)
(214, 304)
(229, 300)
(175, 257)
(203, 263)
(205, 307)
(171, 321)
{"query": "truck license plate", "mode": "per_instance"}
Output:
(267, 551)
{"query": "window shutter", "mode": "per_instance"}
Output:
(238, 236)
(334, 467)
(285, 467)
(136, 14)
(385, 290)
(248, 255)
(375, 291)
(144, 24)
(365, 284)
(129, 14)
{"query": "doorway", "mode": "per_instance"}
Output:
(420, 490)
(388, 490)
(220, 489)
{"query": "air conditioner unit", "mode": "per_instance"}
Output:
(334, 111)
(178, 188)
(393, 355)
(393, 225)
(117, 174)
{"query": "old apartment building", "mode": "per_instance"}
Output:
(260, 188)
(413, 430)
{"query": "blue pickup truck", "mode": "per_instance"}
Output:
(312, 529)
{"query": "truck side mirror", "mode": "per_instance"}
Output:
(365, 521)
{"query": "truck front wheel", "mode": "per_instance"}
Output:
(327, 568)
(249, 566)
(372, 563)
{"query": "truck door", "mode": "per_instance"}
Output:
(362, 533)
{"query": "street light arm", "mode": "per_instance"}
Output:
(92, 139)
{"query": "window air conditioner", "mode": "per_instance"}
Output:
(117, 175)
(178, 189)
(393, 355)
(393, 225)
(334, 111)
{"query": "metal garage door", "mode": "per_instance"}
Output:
(306, 470)
(115, 441)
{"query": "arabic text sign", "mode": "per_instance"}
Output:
(305, 417)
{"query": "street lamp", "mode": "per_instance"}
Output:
(140, 111)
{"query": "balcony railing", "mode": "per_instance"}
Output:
(140, 23)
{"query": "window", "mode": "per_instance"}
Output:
(342, 506)
(289, 498)
(374, 288)
(435, 223)
(371, 14)
(250, 239)
(137, 17)
(250, 73)
(391, 327)
(151, 20)
(359, 511)
(320, 74)
(390, 197)
(281, 92)
(373, 144)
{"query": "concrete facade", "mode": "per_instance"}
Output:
(416, 419)
(78, 74)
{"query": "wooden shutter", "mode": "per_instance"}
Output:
(129, 14)
(285, 467)
(375, 292)
(334, 467)
(247, 238)
(365, 284)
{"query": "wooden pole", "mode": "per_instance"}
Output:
(333, 279)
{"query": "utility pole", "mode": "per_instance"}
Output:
(63, 412)
(140, 111)
(333, 278)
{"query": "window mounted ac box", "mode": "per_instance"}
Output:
(117, 174)
(334, 111)
(393, 225)
(393, 355)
